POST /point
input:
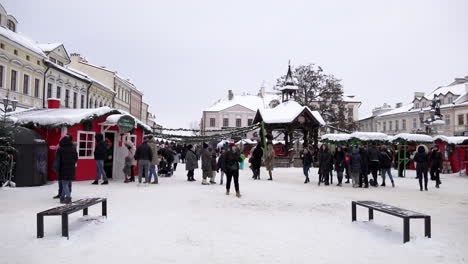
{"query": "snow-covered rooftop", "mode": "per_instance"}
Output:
(22, 40)
(252, 102)
(286, 112)
(48, 47)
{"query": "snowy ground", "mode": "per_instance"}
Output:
(284, 221)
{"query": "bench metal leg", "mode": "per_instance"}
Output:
(85, 211)
(353, 211)
(40, 226)
(371, 214)
(406, 230)
(104, 208)
(65, 226)
(427, 226)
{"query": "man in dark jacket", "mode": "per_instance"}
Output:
(386, 164)
(306, 157)
(364, 168)
(100, 155)
(355, 166)
(256, 161)
(422, 166)
(66, 165)
(144, 155)
(232, 159)
(325, 158)
(340, 163)
(191, 162)
(436, 165)
(374, 163)
(221, 165)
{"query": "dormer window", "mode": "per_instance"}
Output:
(11, 25)
(60, 63)
(423, 104)
(450, 99)
(53, 60)
(416, 105)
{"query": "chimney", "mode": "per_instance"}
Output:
(398, 105)
(418, 94)
(53, 103)
(230, 95)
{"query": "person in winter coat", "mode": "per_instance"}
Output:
(364, 168)
(306, 157)
(153, 169)
(206, 164)
(340, 164)
(100, 155)
(386, 164)
(355, 166)
(374, 163)
(144, 155)
(241, 164)
(168, 155)
(231, 160)
(214, 166)
(176, 159)
(221, 166)
(66, 165)
(131, 154)
(270, 160)
(436, 165)
(191, 163)
(422, 165)
(55, 168)
(256, 161)
(324, 164)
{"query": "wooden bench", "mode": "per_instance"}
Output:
(395, 211)
(67, 209)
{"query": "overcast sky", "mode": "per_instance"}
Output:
(185, 55)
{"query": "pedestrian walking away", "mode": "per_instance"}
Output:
(270, 160)
(153, 169)
(422, 159)
(386, 164)
(143, 155)
(221, 166)
(232, 159)
(100, 155)
(340, 163)
(324, 164)
(436, 165)
(206, 164)
(374, 163)
(191, 163)
(214, 167)
(355, 167)
(306, 157)
(66, 166)
(256, 161)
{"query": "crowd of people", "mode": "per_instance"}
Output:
(155, 159)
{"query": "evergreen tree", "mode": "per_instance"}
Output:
(321, 92)
(6, 146)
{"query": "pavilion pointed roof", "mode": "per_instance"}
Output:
(289, 83)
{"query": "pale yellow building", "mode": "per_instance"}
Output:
(21, 65)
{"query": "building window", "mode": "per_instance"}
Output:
(249, 121)
(38, 62)
(86, 145)
(385, 126)
(238, 122)
(460, 120)
(14, 76)
(90, 103)
(415, 123)
(95, 104)
(423, 104)
(15, 52)
(390, 125)
(2, 46)
(49, 90)
(2, 70)
(59, 92)
(26, 84)
(225, 122)
(67, 98)
(397, 125)
(60, 63)
(11, 25)
(53, 60)
(36, 87)
(100, 104)
(27, 57)
(403, 124)
(450, 99)
(82, 101)
(212, 122)
(416, 105)
(447, 119)
(75, 96)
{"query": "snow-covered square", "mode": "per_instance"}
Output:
(283, 221)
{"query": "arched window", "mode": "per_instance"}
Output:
(100, 104)
(90, 103)
(96, 104)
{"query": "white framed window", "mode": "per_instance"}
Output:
(26, 83)
(86, 142)
(3, 70)
(212, 122)
(447, 119)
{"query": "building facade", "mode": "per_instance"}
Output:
(407, 118)
(21, 65)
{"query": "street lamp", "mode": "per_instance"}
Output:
(6, 106)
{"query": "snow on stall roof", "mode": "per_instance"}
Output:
(364, 136)
(22, 40)
(413, 137)
(451, 140)
(252, 102)
(246, 141)
(286, 112)
(48, 47)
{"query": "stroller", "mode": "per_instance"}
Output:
(165, 168)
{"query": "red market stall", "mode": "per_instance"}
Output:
(453, 151)
(83, 124)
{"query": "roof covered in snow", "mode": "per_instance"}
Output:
(286, 112)
(22, 40)
(373, 136)
(252, 102)
(48, 47)
(64, 117)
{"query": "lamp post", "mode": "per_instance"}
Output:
(6, 106)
